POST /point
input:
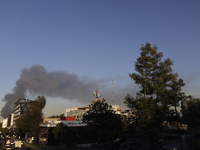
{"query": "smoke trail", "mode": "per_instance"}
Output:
(36, 81)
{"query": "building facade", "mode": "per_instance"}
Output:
(4, 123)
(10, 120)
(76, 112)
(21, 106)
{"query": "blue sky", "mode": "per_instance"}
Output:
(96, 41)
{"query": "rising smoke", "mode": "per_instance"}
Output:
(36, 81)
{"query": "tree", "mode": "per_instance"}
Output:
(56, 116)
(145, 66)
(32, 118)
(175, 96)
(191, 114)
(144, 110)
(35, 112)
(23, 124)
(60, 132)
(160, 89)
(6, 131)
(103, 125)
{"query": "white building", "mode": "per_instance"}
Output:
(4, 123)
(76, 112)
(12, 119)
(116, 108)
(67, 123)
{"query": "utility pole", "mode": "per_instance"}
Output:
(112, 92)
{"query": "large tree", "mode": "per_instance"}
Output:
(160, 89)
(33, 116)
(103, 125)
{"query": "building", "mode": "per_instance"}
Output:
(50, 119)
(116, 108)
(67, 123)
(4, 123)
(46, 136)
(10, 120)
(76, 112)
(21, 106)
(184, 104)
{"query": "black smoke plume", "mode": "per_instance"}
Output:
(36, 80)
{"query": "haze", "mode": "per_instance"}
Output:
(66, 49)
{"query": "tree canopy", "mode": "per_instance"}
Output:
(60, 132)
(103, 125)
(191, 113)
(33, 116)
(56, 116)
(160, 89)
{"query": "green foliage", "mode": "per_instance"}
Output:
(6, 131)
(176, 131)
(0, 126)
(170, 137)
(56, 116)
(23, 124)
(60, 132)
(191, 114)
(103, 124)
(146, 117)
(196, 145)
(145, 66)
(160, 89)
(32, 117)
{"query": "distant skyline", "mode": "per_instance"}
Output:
(75, 47)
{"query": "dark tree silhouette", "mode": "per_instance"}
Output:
(160, 89)
(103, 125)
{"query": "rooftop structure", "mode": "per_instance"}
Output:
(116, 108)
(96, 96)
(50, 119)
(67, 123)
(76, 112)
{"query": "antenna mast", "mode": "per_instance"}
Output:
(96, 97)
(112, 92)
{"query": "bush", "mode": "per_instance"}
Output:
(196, 144)
(197, 135)
(175, 131)
(170, 137)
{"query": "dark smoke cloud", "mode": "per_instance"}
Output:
(36, 81)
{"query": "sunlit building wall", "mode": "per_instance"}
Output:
(4, 123)
(20, 107)
(76, 112)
